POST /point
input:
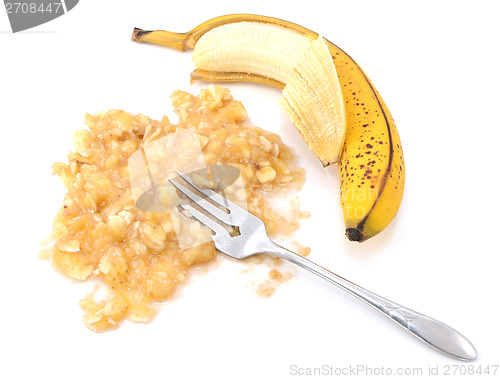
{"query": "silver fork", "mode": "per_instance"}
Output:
(253, 239)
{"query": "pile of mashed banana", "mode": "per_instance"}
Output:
(99, 233)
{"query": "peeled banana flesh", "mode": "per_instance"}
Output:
(315, 106)
(252, 48)
(327, 96)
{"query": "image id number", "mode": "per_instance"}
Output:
(32, 7)
(470, 370)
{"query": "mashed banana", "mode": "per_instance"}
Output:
(100, 233)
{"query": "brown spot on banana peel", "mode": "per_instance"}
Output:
(357, 234)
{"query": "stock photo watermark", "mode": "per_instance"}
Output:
(367, 370)
(25, 15)
(358, 196)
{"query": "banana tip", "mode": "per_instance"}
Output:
(137, 32)
(327, 163)
(355, 235)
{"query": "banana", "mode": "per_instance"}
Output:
(273, 51)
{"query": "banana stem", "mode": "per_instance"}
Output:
(161, 37)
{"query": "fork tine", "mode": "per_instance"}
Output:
(204, 204)
(235, 210)
(217, 228)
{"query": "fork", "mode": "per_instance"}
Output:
(253, 240)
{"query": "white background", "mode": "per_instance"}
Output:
(436, 65)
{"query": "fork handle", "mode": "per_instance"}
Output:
(433, 332)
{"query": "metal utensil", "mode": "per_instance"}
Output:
(253, 239)
(154, 199)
